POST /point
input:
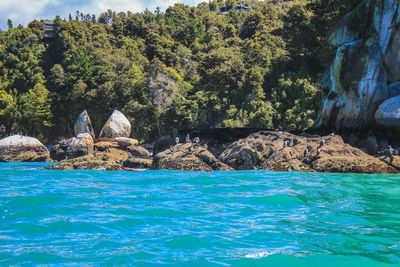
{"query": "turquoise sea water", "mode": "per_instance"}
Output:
(251, 218)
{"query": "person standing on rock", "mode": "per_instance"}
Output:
(188, 138)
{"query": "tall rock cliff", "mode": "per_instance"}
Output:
(361, 85)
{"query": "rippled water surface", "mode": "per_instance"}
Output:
(252, 218)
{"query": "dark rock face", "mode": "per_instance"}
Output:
(80, 146)
(57, 153)
(138, 163)
(365, 66)
(163, 143)
(73, 148)
(19, 148)
(288, 152)
(187, 158)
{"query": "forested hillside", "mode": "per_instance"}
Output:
(186, 67)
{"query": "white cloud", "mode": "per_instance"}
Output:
(28, 10)
(22, 12)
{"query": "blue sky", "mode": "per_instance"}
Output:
(24, 11)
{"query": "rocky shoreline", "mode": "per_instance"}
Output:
(228, 150)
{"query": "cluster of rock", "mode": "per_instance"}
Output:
(278, 151)
(113, 151)
(362, 87)
(288, 152)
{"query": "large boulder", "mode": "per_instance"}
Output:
(388, 113)
(116, 126)
(83, 125)
(80, 145)
(184, 157)
(23, 148)
(288, 152)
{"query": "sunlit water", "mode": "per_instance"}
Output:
(251, 218)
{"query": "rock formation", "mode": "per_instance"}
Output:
(388, 113)
(110, 160)
(267, 150)
(217, 139)
(366, 67)
(84, 125)
(187, 158)
(110, 156)
(80, 145)
(24, 149)
(116, 126)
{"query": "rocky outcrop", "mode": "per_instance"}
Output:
(74, 147)
(288, 152)
(80, 145)
(108, 156)
(388, 113)
(116, 126)
(23, 149)
(110, 160)
(186, 157)
(83, 125)
(365, 66)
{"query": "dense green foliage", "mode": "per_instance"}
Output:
(183, 68)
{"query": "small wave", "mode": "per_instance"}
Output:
(266, 253)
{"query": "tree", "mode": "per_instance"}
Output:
(230, 4)
(36, 110)
(9, 24)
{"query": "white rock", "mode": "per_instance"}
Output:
(20, 141)
(23, 148)
(116, 126)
